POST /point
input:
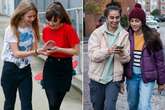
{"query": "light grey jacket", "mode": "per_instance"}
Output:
(98, 53)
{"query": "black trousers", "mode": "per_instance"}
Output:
(14, 79)
(55, 99)
(57, 74)
(57, 77)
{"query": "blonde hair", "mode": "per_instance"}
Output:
(23, 7)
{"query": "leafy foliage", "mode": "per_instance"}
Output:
(95, 6)
(124, 21)
(155, 12)
(92, 8)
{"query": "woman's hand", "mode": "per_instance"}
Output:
(52, 50)
(161, 87)
(48, 45)
(115, 50)
(122, 89)
(111, 50)
(119, 50)
(42, 51)
(47, 48)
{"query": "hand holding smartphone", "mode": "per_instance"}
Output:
(53, 48)
(49, 45)
(119, 47)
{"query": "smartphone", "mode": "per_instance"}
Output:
(119, 47)
(51, 48)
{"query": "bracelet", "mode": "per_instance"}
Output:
(36, 52)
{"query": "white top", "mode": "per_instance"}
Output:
(26, 39)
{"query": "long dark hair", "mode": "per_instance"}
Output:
(56, 9)
(152, 39)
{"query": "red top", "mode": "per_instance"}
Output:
(64, 37)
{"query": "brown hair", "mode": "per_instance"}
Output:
(55, 10)
(152, 39)
(23, 7)
(112, 6)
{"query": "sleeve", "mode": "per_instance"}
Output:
(9, 35)
(160, 64)
(95, 52)
(126, 54)
(72, 37)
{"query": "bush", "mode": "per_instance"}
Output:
(124, 21)
(155, 12)
(92, 8)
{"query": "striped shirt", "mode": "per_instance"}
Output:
(137, 58)
(137, 53)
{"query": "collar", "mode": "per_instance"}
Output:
(116, 33)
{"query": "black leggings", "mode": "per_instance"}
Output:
(55, 99)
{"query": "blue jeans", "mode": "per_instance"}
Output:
(139, 93)
(104, 97)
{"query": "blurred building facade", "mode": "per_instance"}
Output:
(161, 6)
(150, 5)
(8, 6)
(91, 19)
(74, 8)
